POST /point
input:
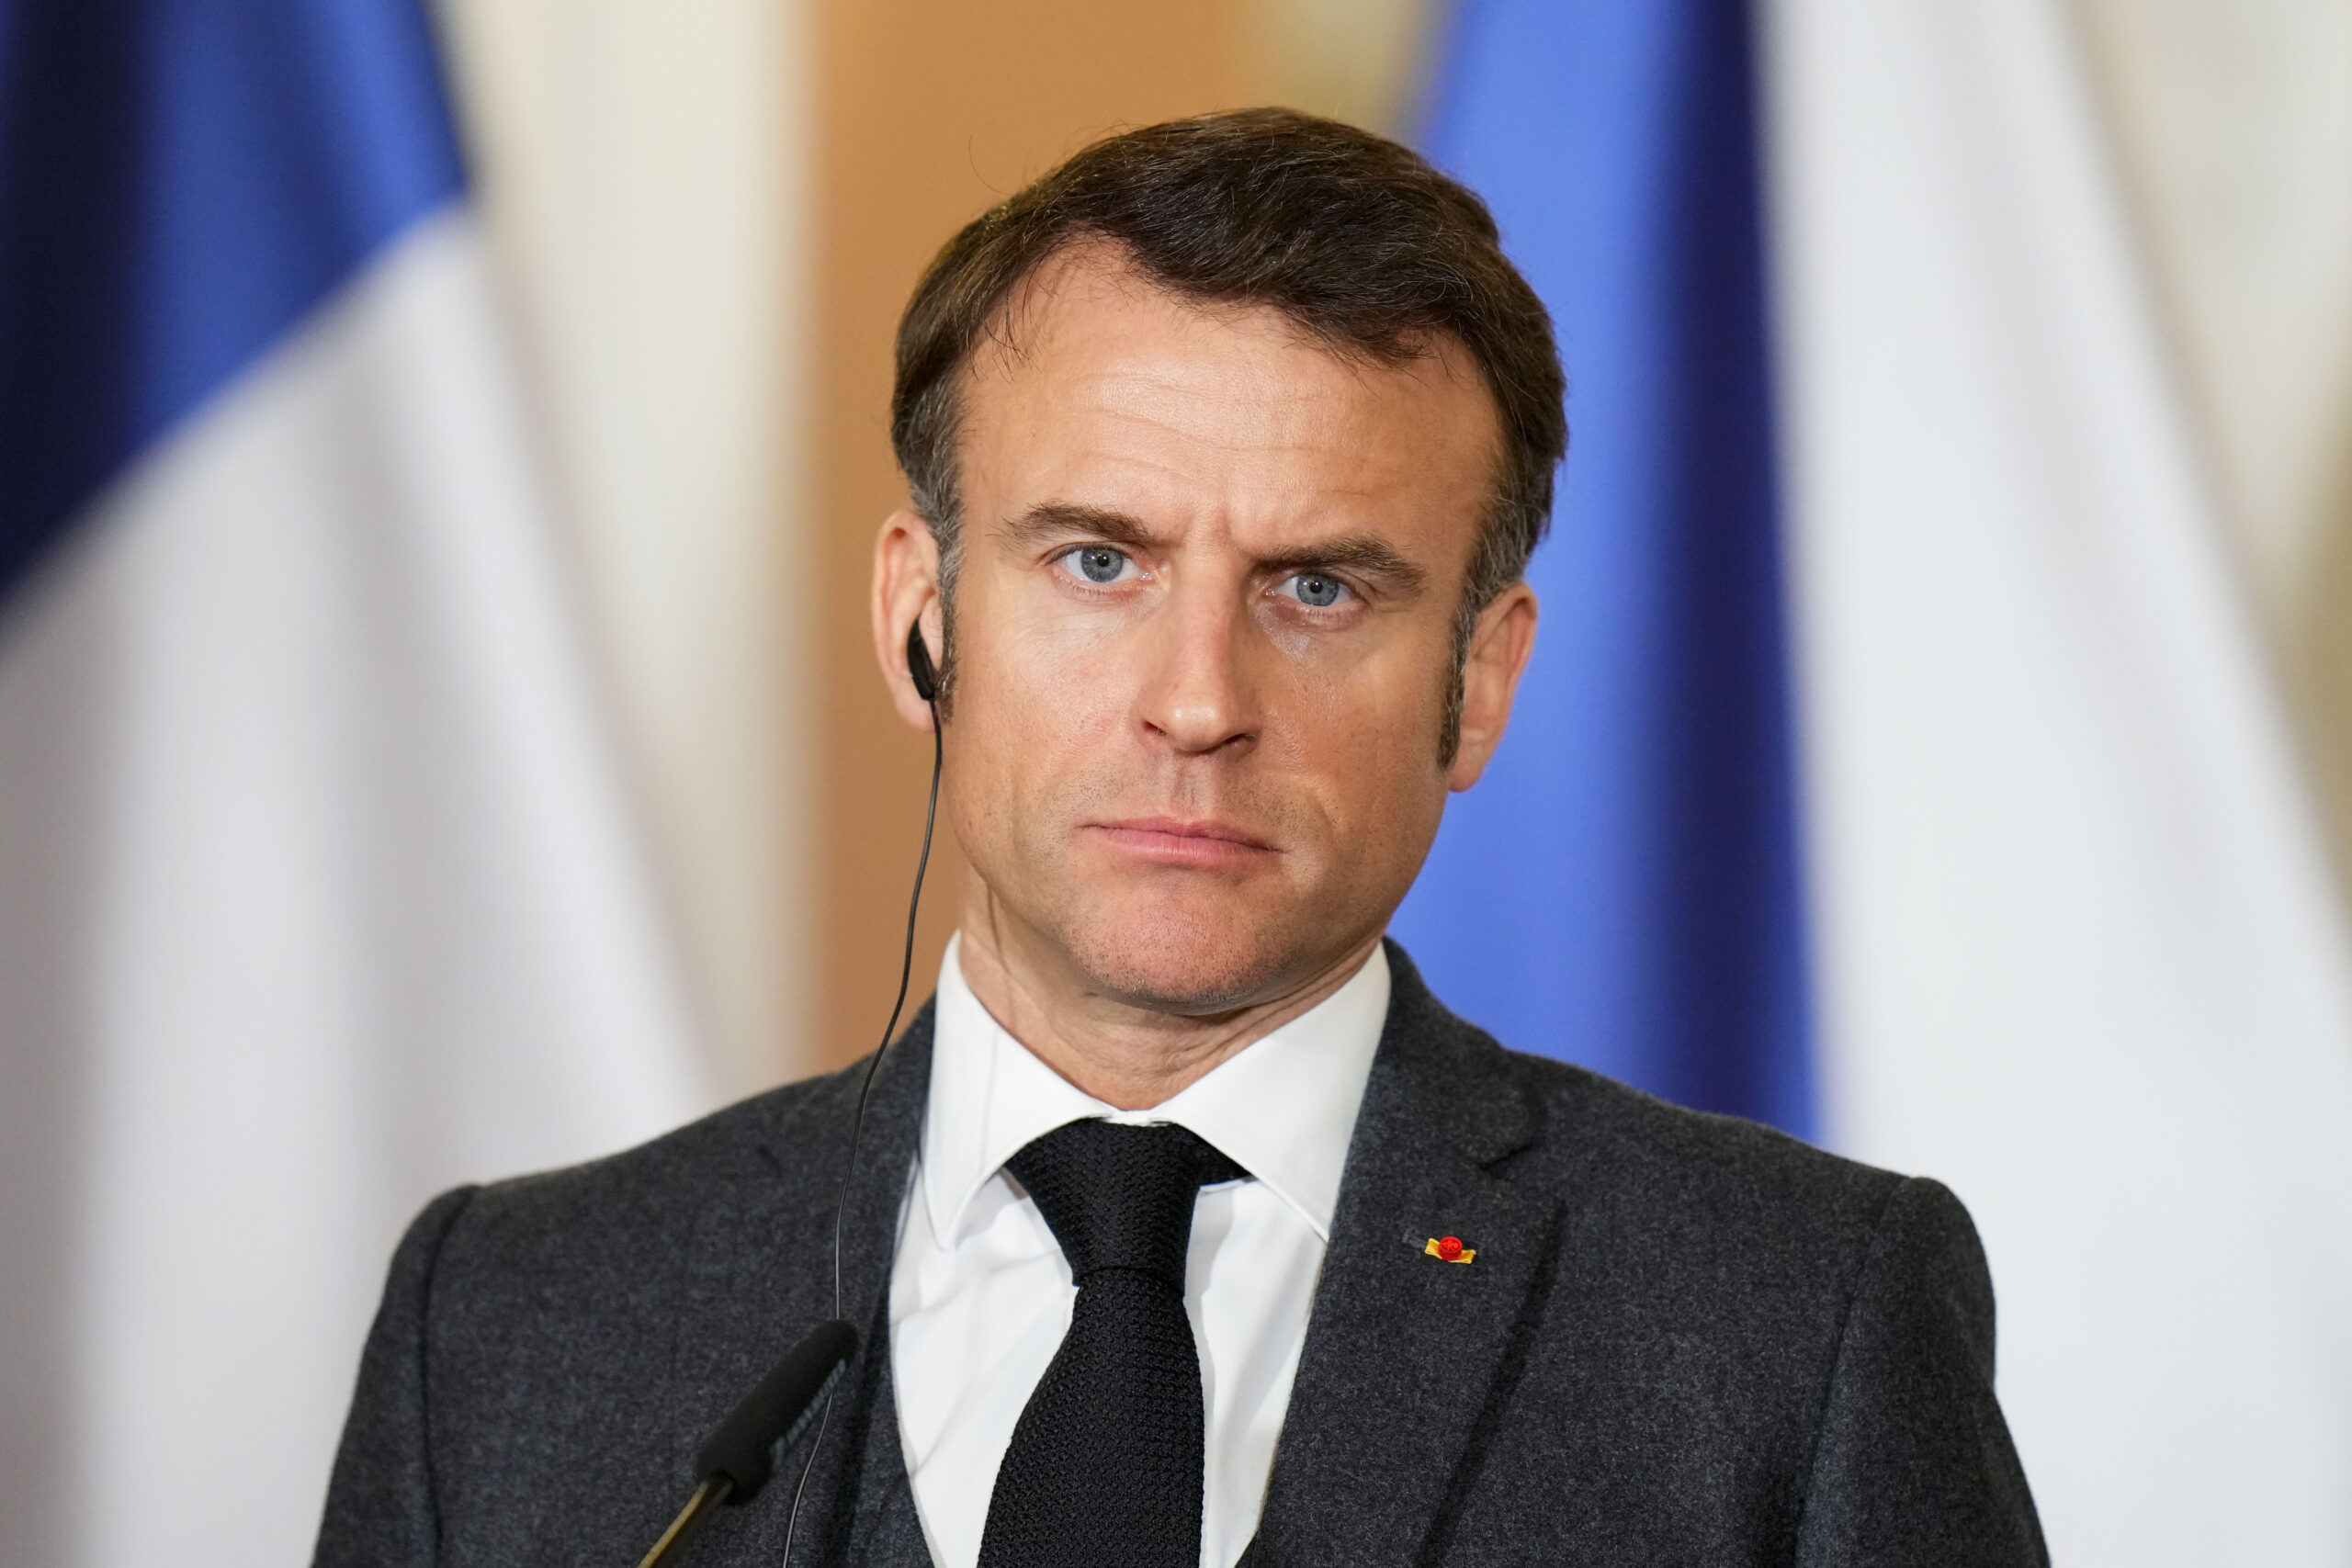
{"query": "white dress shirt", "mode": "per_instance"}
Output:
(980, 1295)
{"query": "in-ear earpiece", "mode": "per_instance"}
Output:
(919, 666)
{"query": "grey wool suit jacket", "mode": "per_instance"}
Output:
(1684, 1339)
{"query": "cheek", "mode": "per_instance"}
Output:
(1389, 704)
(1371, 735)
(1042, 696)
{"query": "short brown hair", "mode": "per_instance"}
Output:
(1357, 240)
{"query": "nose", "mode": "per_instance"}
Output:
(1198, 697)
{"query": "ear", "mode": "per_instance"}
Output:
(906, 593)
(1499, 645)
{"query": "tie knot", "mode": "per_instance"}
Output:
(1121, 1197)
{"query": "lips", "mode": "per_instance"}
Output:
(1169, 840)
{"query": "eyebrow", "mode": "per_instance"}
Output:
(1360, 553)
(1055, 519)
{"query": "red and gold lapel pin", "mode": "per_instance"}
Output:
(1449, 1250)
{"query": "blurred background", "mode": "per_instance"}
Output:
(440, 450)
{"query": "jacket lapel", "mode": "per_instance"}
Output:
(1409, 1360)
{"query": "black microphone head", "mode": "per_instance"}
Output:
(919, 666)
(771, 1415)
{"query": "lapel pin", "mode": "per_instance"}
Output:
(1449, 1250)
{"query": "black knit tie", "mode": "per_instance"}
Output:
(1105, 1467)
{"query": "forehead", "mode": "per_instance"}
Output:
(1097, 379)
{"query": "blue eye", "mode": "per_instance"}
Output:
(1098, 563)
(1314, 589)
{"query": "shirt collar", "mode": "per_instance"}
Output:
(1282, 1106)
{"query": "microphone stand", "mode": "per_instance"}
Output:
(707, 1496)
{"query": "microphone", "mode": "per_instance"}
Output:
(740, 1456)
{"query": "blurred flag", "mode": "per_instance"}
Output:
(1623, 886)
(2073, 943)
(317, 887)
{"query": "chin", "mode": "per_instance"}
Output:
(1184, 959)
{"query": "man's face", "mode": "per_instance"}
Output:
(1203, 641)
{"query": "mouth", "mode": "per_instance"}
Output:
(1168, 841)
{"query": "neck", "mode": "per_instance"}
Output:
(1129, 1057)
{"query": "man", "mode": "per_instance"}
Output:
(1186, 1226)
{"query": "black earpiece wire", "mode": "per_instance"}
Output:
(919, 669)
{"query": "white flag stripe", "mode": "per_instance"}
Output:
(2079, 956)
(356, 907)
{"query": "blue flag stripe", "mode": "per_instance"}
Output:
(1624, 889)
(180, 181)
